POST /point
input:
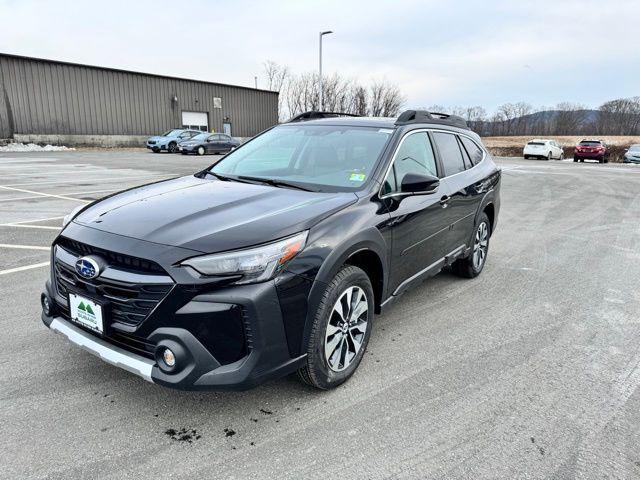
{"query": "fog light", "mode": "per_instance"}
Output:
(168, 357)
(46, 305)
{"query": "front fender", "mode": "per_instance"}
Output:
(332, 243)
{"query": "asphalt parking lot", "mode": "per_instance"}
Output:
(529, 371)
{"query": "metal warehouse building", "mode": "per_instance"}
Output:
(45, 101)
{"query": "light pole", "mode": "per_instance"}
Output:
(327, 32)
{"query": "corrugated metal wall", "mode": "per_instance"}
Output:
(46, 97)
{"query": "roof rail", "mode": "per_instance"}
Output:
(312, 115)
(422, 116)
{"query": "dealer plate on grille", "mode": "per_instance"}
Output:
(86, 312)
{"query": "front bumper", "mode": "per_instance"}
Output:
(156, 146)
(197, 368)
(225, 337)
(119, 357)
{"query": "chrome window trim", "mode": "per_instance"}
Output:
(427, 130)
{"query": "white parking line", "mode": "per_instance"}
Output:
(98, 179)
(31, 197)
(26, 267)
(42, 227)
(38, 220)
(44, 194)
(24, 247)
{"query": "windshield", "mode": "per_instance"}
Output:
(590, 144)
(634, 148)
(338, 157)
(538, 142)
(171, 133)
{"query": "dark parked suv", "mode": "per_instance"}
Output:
(275, 259)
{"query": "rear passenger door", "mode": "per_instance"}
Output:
(463, 196)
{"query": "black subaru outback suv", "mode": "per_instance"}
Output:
(275, 259)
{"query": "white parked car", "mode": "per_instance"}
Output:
(541, 148)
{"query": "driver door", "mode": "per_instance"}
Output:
(419, 222)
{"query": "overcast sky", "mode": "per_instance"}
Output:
(438, 52)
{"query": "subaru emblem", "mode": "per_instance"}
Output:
(88, 267)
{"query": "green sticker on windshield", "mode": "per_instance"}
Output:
(357, 177)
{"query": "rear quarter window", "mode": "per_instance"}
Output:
(475, 152)
(450, 153)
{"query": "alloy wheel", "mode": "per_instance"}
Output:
(480, 245)
(348, 323)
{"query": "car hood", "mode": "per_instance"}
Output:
(210, 215)
(159, 138)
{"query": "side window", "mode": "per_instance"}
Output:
(450, 153)
(212, 138)
(474, 151)
(415, 155)
(465, 155)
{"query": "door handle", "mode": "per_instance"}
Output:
(444, 201)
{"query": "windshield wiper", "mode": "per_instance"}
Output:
(274, 183)
(224, 178)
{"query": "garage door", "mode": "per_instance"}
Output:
(195, 121)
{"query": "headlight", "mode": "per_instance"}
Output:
(71, 216)
(255, 264)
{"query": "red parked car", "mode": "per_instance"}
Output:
(593, 149)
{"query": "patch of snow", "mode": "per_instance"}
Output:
(32, 147)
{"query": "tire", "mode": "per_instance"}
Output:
(549, 156)
(526, 157)
(582, 160)
(601, 160)
(172, 147)
(155, 150)
(471, 266)
(561, 156)
(332, 352)
(200, 151)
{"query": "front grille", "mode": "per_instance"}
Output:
(130, 301)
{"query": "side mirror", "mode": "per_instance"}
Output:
(419, 184)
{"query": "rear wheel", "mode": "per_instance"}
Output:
(472, 265)
(549, 156)
(601, 160)
(526, 157)
(200, 150)
(561, 156)
(340, 331)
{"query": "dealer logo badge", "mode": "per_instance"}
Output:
(88, 267)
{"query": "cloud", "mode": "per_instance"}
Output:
(449, 53)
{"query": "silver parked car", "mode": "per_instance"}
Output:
(632, 154)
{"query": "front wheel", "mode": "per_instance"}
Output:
(340, 331)
(471, 266)
(561, 156)
(549, 156)
(173, 147)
